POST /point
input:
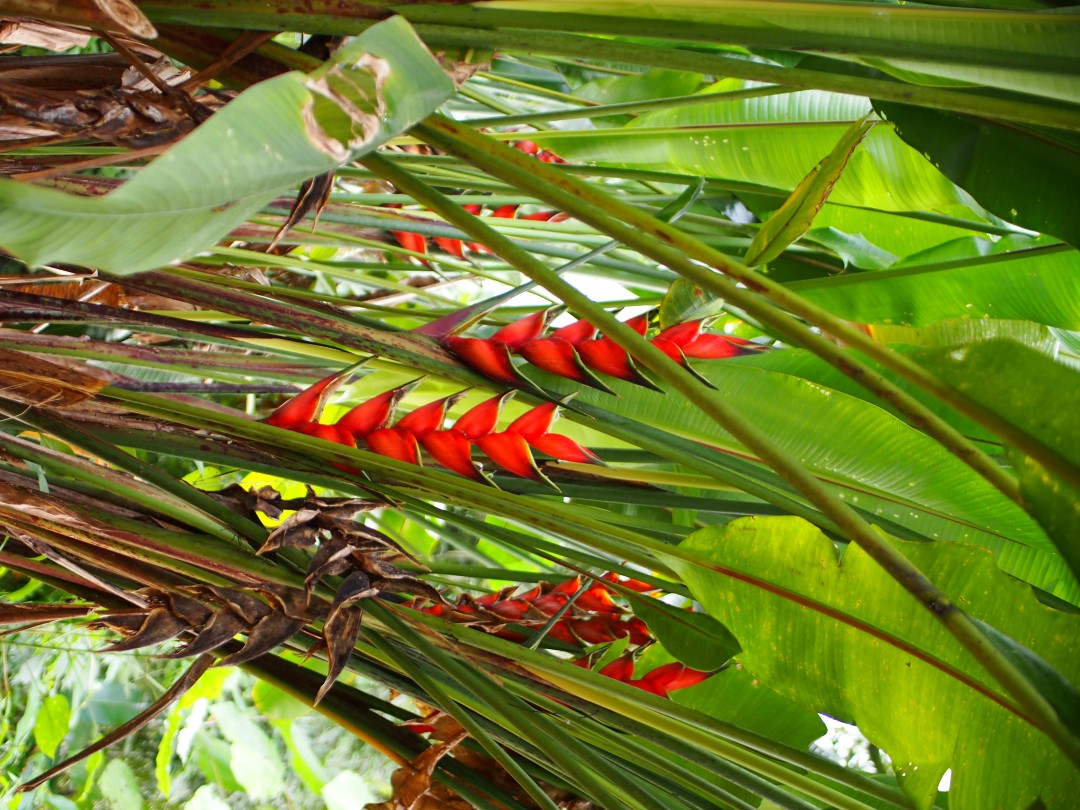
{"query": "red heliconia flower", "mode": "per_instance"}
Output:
(480, 420)
(568, 587)
(520, 332)
(593, 629)
(542, 216)
(621, 669)
(511, 452)
(627, 582)
(596, 598)
(452, 450)
(412, 241)
(473, 208)
(505, 211)
(511, 609)
(635, 629)
(528, 147)
(668, 678)
(560, 631)
(606, 356)
(575, 333)
(717, 347)
(671, 349)
(375, 413)
(550, 603)
(490, 359)
(452, 246)
(394, 443)
(535, 421)
(639, 323)
(304, 407)
(427, 418)
(559, 357)
(330, 433)
(534, 425)
(681, 333)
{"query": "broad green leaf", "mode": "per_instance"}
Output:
(121, 787)
(51, 723)
(685, 301)
(1042, 398)
(1041, 285)
(924, 716)
(650, 85)
(772, 141)
(346, 791)
(861, 449)
(696, 639)
(274, 704)
(794, 217)
(895, 233)
(254, 759)
(206, 798)
(271, 137)
(1021, 175)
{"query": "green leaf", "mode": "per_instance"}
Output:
(772, 141)
(696, 639)
(271, 137)
(794, 217)
(254, 759)
(120, 786)
(926, 719)
(1034, 285)
(274, 704)
(1024, 176)
(657, 84)
(684, 301)
(51, 723)
(1042, 398)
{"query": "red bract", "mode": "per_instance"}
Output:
(596, 598)
(505, 211)
(559, 357)
(681, 333)
(373, 414)
(451, 449)
(717, 347)
(621, 669)
(575, 333)
(490, 359)
(670, 349)
(520, 332)
(480, 420)
(427, 418)
(394, 443)
(550, 603)
(528, 147)
(535, 421)
(668, 678)
(541, 216)
(412, 241)
(511, 452)
(627, 582)
(304, 407)
(450, 245)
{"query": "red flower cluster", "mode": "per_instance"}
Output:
(369, 422)
(660, 681)
(575, 352)
(417, 243)
(594, 618)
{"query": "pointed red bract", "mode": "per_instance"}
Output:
(505, 211)
(304, 407)
(669, 348)
(330, 433)
(550, 603)
(541, 216)
(627, 582)
(488, 358)
(480, 420)
(394, 443)
(575, 333)
(511, 452)
(681, 333)
(528, 147)
(596, 598)
(568, 586)
(452, 450)
(621, 669)
(563, 448)
(451, 246)
(535, 421)
(473, 208)
(716, 347)
(607, 357)
(669, 677)
(427, 418)
(639, 324)
(556, 356)
(520, 332)
(373, 414)
(412, 241)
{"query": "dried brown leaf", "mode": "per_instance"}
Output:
(34, 381)
(340, 630)
(158, 626)
(223, 626)
(13, 613)
(271, 631)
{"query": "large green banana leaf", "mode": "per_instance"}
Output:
(849, 664)
(271, 137)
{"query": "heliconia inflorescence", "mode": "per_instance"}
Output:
(576, 353)
(369, 425)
